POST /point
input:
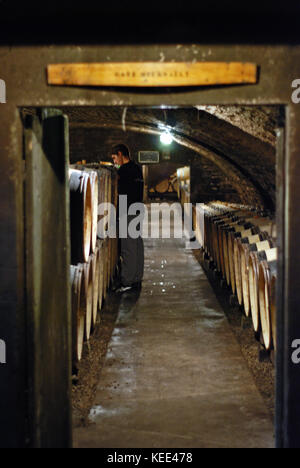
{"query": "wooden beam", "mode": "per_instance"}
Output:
(151, 74)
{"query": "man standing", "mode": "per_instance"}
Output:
(131, 184)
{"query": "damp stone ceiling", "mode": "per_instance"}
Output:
(239, 140)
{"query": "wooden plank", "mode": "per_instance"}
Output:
(13, 376)
(153, 74)
(48, 308)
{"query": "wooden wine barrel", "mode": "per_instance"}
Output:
(230, 246)
(253, 290)
(215, 233)
(162, 187)
(254, 260)
(78, 312)
(216, 224)
(219, 242)
(266, 225)
(218, 227)
(237, 260)
(260, 221)
(233, 253)
(196, 226)
(101, 199)
(217, 213)
(105, 267)
(219, 206)
(112, 253)
(226, 247)
(222, 242)
(101, 273)
(183, 173)
(223, 206)
(93, 174)
(210, 214)
(80, 215)
(96, 274)
(104, 185)
(88, 284)
(108, 262)
(266, 269)
(273, 308)
(244, 252)
(109, 195)
(101, 184)
(270, 229)
(113, 264)
(207, 216)
(95, 201)
(233, 231)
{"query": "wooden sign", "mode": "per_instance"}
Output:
(148, 157)
(147, 74)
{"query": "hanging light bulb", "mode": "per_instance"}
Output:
(166, 138)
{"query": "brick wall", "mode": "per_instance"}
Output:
(241, 138)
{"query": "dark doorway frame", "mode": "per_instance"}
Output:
(23, 69)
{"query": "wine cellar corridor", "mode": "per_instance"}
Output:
(173, 352)
(174, 374)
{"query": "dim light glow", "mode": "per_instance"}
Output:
(166, 138)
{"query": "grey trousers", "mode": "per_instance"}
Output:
(132, 254)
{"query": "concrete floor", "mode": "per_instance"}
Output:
(174, 376)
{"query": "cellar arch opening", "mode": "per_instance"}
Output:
(90, 143)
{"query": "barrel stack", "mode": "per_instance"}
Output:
(94, 255)
(239, 244)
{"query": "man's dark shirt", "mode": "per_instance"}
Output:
(131, 183)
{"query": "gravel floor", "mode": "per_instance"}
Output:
(89, 369)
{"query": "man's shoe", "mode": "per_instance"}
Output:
(123, 289)
(137, 285)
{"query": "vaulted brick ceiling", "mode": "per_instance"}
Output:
(240, 140)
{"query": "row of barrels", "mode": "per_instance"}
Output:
(168, 185)
(94, 256)
(90, 186)
(241, 243)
